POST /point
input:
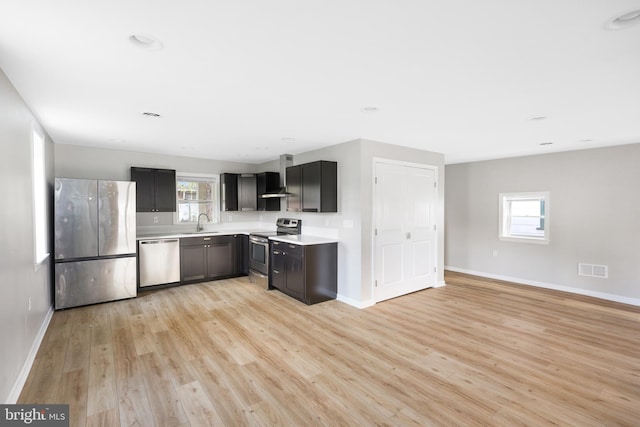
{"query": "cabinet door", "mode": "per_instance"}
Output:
(319, 186)
(277, 265)
(145, 188)
(220, 258)
(295, 280)
(294, 187)
(311, 187)
(192, 263)
(165, 190)
(329, 187)
(241, 256)
(247, 192)
(229, 192)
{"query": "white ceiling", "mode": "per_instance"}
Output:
(237, 78)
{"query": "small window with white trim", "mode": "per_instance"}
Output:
(39, 194)
(197, 194)
(524, 217)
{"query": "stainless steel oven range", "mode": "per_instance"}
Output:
(259, 249)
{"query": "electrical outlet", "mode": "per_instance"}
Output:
(155, 219)
(495, 252)
(29, 303)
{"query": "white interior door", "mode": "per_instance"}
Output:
(405, 229)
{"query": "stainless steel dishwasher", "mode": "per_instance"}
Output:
(159, 261)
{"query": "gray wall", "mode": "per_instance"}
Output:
(73, 161)
(19, 280)
(594, 218)
(352, 224)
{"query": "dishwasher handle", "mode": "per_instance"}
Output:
(153, 242)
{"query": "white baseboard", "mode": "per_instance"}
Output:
(31, 357)
(579, 291)
(355, 303)
(369, 303)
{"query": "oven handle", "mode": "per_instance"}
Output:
(258, 239)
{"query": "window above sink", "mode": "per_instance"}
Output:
(197, 194)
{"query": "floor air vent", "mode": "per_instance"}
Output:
(593, 270)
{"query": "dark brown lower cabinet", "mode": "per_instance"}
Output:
(308, 273)
(212, 257)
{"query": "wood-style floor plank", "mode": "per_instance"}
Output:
(475, 352)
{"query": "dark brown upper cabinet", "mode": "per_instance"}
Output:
(239, 192)
(313, 187)
(155, 189)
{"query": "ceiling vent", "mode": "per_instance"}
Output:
(624, 21)
(146, 41)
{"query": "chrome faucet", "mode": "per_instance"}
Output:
(200, 227)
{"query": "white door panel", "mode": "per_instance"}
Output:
(404, 210)
(392, 264)
(421, 256)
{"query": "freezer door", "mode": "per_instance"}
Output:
(89, 282)
(116, 218)
(75, 218)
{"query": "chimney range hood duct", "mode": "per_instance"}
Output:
(286, 160)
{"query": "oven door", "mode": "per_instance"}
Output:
(259, 254)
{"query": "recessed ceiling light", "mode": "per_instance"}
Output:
(370, 109)
(287, 139)
(625, 20)
(150, 114)
(538, 118)
(146, 41)
(546, 143)
(585, 140)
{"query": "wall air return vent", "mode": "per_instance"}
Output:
(593, 270)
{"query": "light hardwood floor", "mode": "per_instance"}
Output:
(476, 352)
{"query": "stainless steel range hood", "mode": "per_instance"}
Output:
(286, 160)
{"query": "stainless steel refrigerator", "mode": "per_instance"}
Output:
(94, 241)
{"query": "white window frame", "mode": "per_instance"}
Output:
(39, 198)
(216, 195)
(504, 232)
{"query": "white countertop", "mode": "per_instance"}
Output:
(182, 234)
(299, 239)
(303, 239)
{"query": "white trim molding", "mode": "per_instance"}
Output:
(579, 291)
(28, 363)
(354, 302)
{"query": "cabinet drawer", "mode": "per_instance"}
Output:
(195, 241)
(288, 248)
(204, 240)
(293, 249)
